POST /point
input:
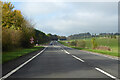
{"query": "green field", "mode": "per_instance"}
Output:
(112, 43)
(7, 56)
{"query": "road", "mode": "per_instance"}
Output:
(58, 61)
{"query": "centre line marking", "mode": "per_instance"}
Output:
(98, 69)
(78, 58)
(13, 71)
(105, 73)
(66, 52)
(74, 56)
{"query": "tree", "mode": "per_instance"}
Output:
(7, 15)
(94, 43)
(17, 31)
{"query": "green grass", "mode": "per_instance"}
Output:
(112, 43)
(7, 56)
(98, 51)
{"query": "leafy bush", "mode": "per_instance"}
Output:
(94, 43)
(16, 30)
(27, 33)
(81, 44)
(104, 48)
(11, 38)
(73, 43)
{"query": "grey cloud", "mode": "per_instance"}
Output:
(70, 18)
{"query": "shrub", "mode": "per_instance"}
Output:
(81, 44)
(73, 43)
(94, 43)
(104, 48)
(10, 38)
(27, 33)
(17, 30)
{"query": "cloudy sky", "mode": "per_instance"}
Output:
(66, 18)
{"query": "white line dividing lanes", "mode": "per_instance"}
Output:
(98, 69)
(78, 58)
(66, 52)
(105, 73)
(13, 71)
(73, 56)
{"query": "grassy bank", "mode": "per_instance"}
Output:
(112, 43)
(7, 56)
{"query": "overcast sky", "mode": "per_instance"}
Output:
(66, 18)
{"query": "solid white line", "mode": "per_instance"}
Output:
(105, 73)
(78, 58)
(13, 71)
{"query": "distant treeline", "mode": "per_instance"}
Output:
(80, 36)
(56, 37)
(88, 35)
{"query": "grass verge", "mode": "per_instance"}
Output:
(7, 56)
(93, 50)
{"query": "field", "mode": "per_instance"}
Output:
(109, 42)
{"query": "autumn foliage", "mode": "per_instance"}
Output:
(16, 30)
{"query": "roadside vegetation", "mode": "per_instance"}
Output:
(19, 37)
(104, 45)
(18, 34)
(17, 30)
(7, 56)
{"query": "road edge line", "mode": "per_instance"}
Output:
(20, 66)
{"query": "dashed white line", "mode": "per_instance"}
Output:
(66, 52)
(105, 73)
(51, 42)
(78, 58)
(13, 71)
(74, 56)
(98, 69)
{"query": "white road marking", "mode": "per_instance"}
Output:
(13, 71)
(78, 58)
(66, 52)
(105, 73)
(51, 42)
(98, 69)
(74, 56)
(98, 54)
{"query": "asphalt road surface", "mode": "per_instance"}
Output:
(58, 61)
